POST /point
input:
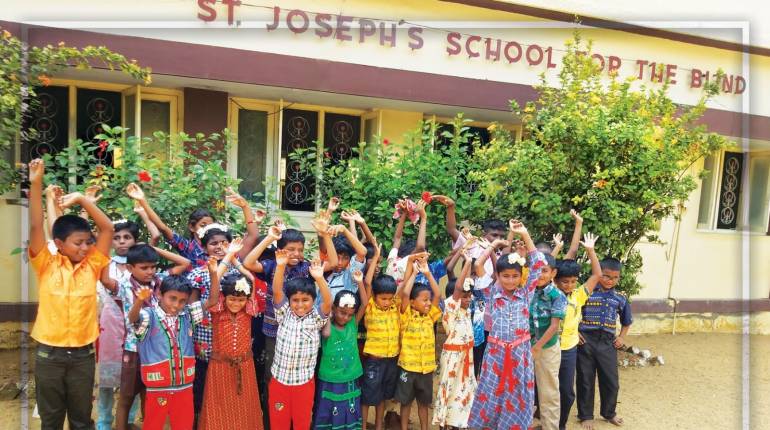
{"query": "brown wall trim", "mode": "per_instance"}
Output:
(260, 68)
(700, 306)
(612, 25)
(18, 312)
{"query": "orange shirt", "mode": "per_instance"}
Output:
(67, 309)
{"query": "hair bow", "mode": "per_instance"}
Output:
(348, 301)
(203, 230)
(242, 285)
(514, 258)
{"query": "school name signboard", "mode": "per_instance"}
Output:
(476, 47)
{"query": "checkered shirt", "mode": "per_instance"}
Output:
(190, 249)
(195, 310)
(296, 345)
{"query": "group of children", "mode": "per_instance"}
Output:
(248, 333)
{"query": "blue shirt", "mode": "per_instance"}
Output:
(602, 310)
(343, 280)
(437, 269)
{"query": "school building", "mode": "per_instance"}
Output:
(282, 74)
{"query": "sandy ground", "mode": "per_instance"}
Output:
(700, 387)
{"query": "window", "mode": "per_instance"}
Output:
(49, 117)
(721, 206)
(299, 131)
(148, 111)
(252, 150)
(94, 108)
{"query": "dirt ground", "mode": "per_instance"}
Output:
(698, 388)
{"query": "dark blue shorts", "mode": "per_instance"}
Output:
(379, 380)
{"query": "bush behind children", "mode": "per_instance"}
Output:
(336, 336)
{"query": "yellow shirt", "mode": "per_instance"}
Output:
(382, 330)
(67, 309)
(569, 325)
(418, 340)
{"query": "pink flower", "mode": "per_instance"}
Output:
(144, 176)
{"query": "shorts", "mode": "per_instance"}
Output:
(413, 385)
(379, 380)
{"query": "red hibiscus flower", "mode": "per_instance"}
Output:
(103, 147)
(427, 197)
(144, 176)
(385, 142)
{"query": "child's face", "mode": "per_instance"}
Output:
(343, 315)
(296, 252)
(234, 304)
(546, 276)
(492, 235)
(217, 246)
(384, 300)
(343, 260)
(465, 300)
(203, 222)
(172, 302)
(75, 246)
(510, 279)
(609, 278)
(301, 303)
(143, 272)
(121, 241)
(567, 284)
(422, 302)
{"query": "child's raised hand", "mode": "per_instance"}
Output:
(557, 241)
(500, 243)
(418, 256)
(138, 208)
(70, 199)
(91, 193)
(317, 269)
(444, 200)
(280, 224)
(521, 247)
(281, 257)
(347, 216)
(320, 225)
(236, 198)
(358, 276)
(421, 207)
(134, 191)
(274, 232)
(212, 265)
(575, 215)
(517, 226)
(334, 203)
(36, 169)
(235, 246)
(589, 240)
(421, 265)
(336, 230)
(259, 216)
(143, 294)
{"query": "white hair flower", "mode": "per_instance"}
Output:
(468, 284)
(202, 231)
(242, 285)
(514, 258)
(120, 221)
(347, 301)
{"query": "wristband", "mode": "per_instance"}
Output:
(251, 222)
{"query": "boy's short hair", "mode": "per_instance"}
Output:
(130, 226)
(370, 250)
(65, 225)
(418, 288)
(290, 235)
(544, 247)
(503, 264)
(175, 283)
(568, 269)
(610, 263)
(550, 261)
(407, 247)
(342, 293)
(494, 224)
(384, 284)
(199, 214)
(342, 246)
(300, 285)
(215, 232)
(142, 253)
(269, 252)
(227, 285)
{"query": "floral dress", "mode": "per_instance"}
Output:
(457, 383)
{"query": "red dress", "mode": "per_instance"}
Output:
(231, 399)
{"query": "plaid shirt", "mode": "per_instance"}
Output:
(126, 293)
(203, 333)
(301, 270)
(548, 303)
(190, 249)
(296, 345)
(140, 328)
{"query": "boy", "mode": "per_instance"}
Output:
(66, 325)
(566, 280)
(546, 311)
(142, 263)
(598, 349)
(292, 388)
(351, 257)
(381, 347)
(164, 333)
(417, 359)
(293, 242)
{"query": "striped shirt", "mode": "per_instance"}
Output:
(418, 340)
(382, 329)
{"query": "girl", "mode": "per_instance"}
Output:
(338, 397)
(231, 399)
(457, 383)
(505, 396)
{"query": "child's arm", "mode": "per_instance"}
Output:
(575, 242)
(365, 228)
(36, 222)
(152, 229)
(558, 244)
(214, 288)
(399, 228)
(489, 253)
(251, 261)
(536, 260)
(52, 208)
(451, 218)
(90, 193)
(460, 282)
(363, 294)
(358, 247)
(181, 264)
(410, 263)
(422, 264)
(348, 216)
(281, 260)
(143, 294)
(326, 214)
(321, 226)
(372, 269)
(103, 223)
(451, 261)
(317, 272)
(589, 243)
(135, 192)
(406, 290)
(108, 283)
(420, 246)
(232, 250)
(252, 224)
(537, 348)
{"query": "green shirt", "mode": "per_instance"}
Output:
(339, 358)
(548, 302)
